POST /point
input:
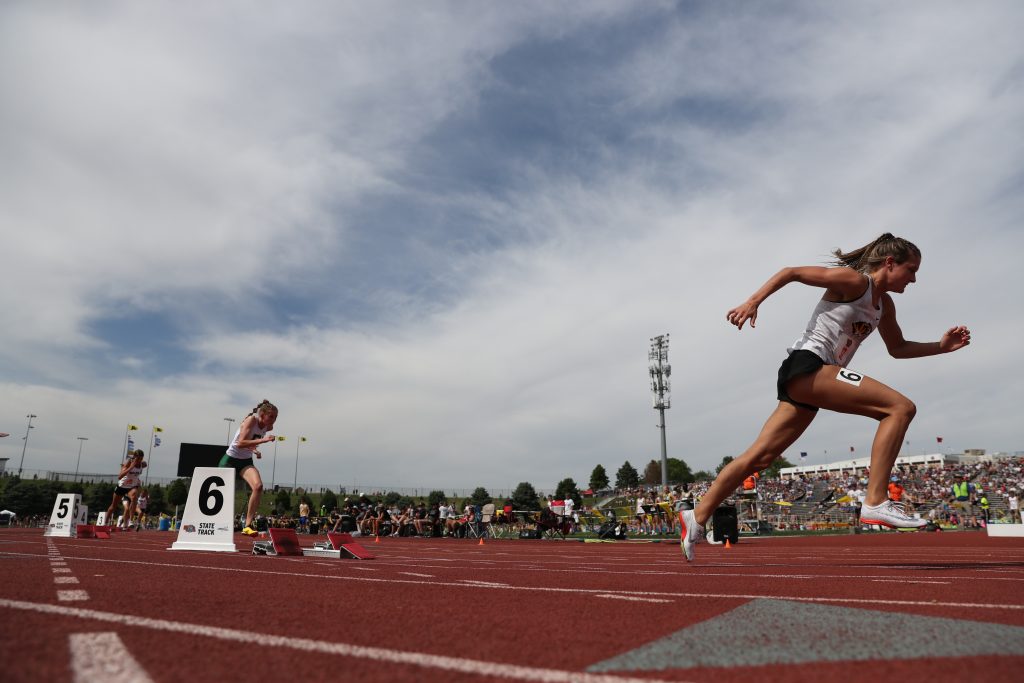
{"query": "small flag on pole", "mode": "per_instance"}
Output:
(280, 438)
(132, 428)
(156, 441)
(851, 449)
(302, 438)
(803, 454)
(157, 429)
(939, 439)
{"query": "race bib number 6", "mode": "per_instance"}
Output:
(850, 377)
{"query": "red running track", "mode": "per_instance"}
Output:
(909, 606)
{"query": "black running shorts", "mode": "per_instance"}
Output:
(800, 362)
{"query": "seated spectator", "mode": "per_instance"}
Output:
(434, 519)
(419, 519)
(457, 525)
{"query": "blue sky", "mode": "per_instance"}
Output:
(439, 235)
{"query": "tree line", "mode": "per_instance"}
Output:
(28, 497)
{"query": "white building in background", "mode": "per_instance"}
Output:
(3, 465)
(905, 462)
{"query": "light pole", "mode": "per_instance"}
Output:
(81, 442)
(230, 421)
(295, 483)
(25, 445)
(273, 470)
(660, 372)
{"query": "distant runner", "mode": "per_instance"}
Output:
(251, 433)
(129, 481)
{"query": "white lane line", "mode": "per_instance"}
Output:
(72, 596)
(65, 579)
(60, 570)
(421, 659)
(587, 591)
(425, 576)
(937, 583)
(630, 598)
(484, 584)
(103, 658)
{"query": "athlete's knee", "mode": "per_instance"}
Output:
(904, 409)
(257, 489)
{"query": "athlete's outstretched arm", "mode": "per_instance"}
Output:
(953, 339)
(842, 283)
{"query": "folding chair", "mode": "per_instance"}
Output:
(474, 529)
(550, 525)
(487, 519)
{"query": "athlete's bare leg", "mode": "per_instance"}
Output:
(251, 475)
(129, 512)
(862, 396)
(783, 427)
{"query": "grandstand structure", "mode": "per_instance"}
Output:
(905, 463)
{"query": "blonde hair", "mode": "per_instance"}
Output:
(265, 406)
(868, 258)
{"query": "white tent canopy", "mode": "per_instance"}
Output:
(8, 512)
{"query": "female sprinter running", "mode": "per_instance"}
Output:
(814, 375)
(129, 481)
(251, 433)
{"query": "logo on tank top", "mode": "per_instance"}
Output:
(861, 329)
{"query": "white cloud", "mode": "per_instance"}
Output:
(179, 161)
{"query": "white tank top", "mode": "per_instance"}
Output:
(245, 453)
(132, 479)
(836, 329)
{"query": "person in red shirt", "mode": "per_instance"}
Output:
(895, 490)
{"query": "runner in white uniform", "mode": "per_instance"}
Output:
(251, 433)
(128, 482)
(813, 376)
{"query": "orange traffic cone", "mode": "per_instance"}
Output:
(376, 539)
(727, 544)
(481, 541)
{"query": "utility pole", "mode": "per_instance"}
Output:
(661, 387)
(25, 445)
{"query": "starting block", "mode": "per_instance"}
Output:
(282, 542)
(339, 546)
(86, 531)
(345, 543)
(101, 531)
(285, 542)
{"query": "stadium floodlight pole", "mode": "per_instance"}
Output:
(230, 421)
(81, 442)
(661, 386)
(25, 445)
